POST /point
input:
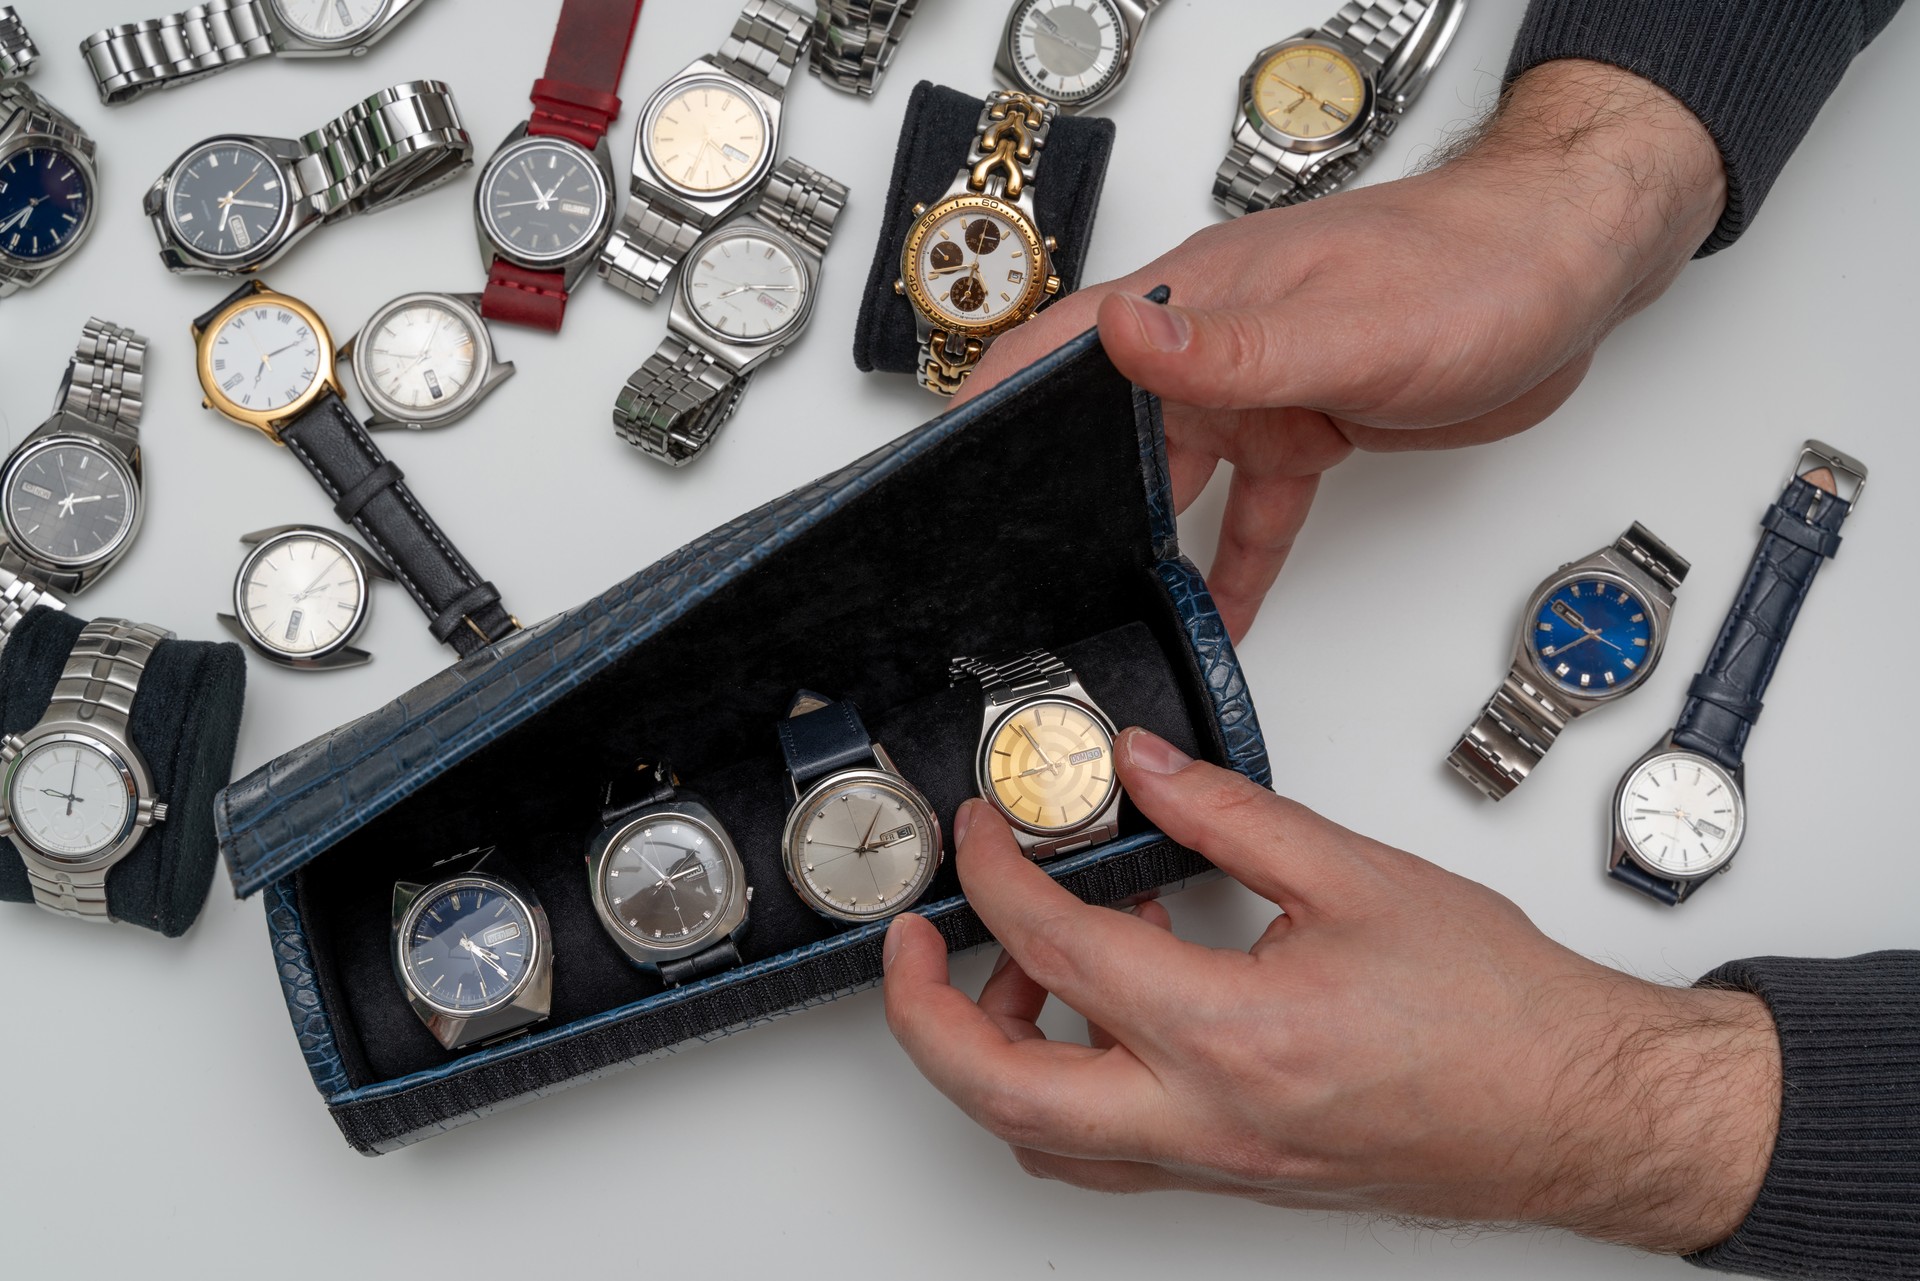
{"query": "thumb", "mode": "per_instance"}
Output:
(1226, 358)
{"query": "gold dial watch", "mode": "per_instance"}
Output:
(976, 263)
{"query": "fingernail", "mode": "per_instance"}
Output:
(1001, 964)
(1154, 754)
(1165, 329)
(962, 819)
(892, 945)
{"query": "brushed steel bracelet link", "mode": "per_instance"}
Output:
(18, 53)
(1512, 735)
(103, 671)
(19, 596)
(855, 41)
(674, 404)
(78, 896)
(1019, 677)
(644, 249)
(388, 147)
(1377, 30)
(767, 40)
(804, 203)
(106, 380)
(159, 53)
(1657, 559)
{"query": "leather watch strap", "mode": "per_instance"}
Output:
(656, 787)
(579, 95)
(519, 295)
(820, 737)
(722, 956)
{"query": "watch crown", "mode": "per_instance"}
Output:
(205, 403)
(1053, 284)
(900, 287)
(919, 209)
(159, 811)
(1053, 243)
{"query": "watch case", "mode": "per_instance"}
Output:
(733, 913)
(341, 653)
(575, 266)
(1006, 67)
(1609, 564)
(298, 217)
(37, 124)
(1620, 849)
(77, 574)
(289, 43)
(703, 209)
(385, 414)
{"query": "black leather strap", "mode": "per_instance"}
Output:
(1669, 892)
(721, 956)
(656, 786)
(825, 740)
(206, 317)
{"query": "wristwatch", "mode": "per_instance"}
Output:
(47, 174)
(1045, 758)
(1593, 632)
(78, 796)
(19, 596)
(425, 360)
(861, 843)
(159, 53)
(237, 203)
(298, 403)
(854, 41)
(473, 952)
(1314, 107)
(544, 204)
(71, 491)
(17, 50)
(745, 296)
(705, 143)
(1071, 53)
(668, 885)
(1679, 814)
(976, 263)
(302, 595)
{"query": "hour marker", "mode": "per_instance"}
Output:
(1550, 650)
(1608, 677)
(1562, 670)
(1574, 591)
(1545, 627)
(1639, 618)
(1640, 642)
(1625, 597)
(1586, 679)
(1630, 665)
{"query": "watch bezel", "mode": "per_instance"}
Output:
(603, 192)
(31, 141)
(383, 405)
(135, 502)
(982, 772)
(763, 231)
(127, 764)
(308, 657)
(330, 42)
(266, 421)
(789, 856)
(403, 930)
(693, 77)
(1023, 309)
(733, 909)
(1341, 137)
(1656, 632)
(1011, 51)
(256, 254)
(1623, 843)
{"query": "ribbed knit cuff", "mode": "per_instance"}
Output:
(1841, 1198)
(1756, 72)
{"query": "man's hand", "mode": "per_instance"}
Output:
(1451, 308)
(1400, 1040)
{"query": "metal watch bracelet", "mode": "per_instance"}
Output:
(855, 40)
(17, 50)
(18, 597)
(105, 385)
(1031, 673)
(138, 57)
(390, 146)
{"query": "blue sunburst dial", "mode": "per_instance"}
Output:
(1593, 635)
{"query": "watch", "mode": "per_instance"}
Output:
(1045, 758)
(137, 57)
(1073, 53)
(976, 263)
(425, 360)
(705, 143)
(1679, 814)
(861, 843)
(298, 403)
(473, 952)
(747, 293)
(668, 884)
(77, 795)
(854, 41)
(47, 175)
(1314, 107)
(71, 491)
(1592, 632)
(302, 595)
(544, 204)
(236, 203)
(19, 596)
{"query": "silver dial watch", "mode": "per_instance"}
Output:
(77, 796)
(1314, 107)
(472, 952)
(854, 41)
(48, 182)
(1074, 52)
(19, 596)
(746, 294)
(302, 596)
(425, 360)
(705, 142)
(71, 491)
(234, 204)
(138, 57)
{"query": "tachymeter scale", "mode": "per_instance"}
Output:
(422, 356)
(707, 138)
(329, 21)
(1068, 50)
(543, 200)
(46, 203)
(668, 882)
(1049, 766)
(71, 799)
(978, 266)
(301, 595)
(1594, 636)
(863, 850)
(264, 357)
(747, 286)
(68, 502)
(226, 199)
(468, 945)
(1309, 92)
(1682, 815)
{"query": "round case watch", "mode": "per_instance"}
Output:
(48, 183)
(425, 360)
(1073, 52)
(302, 596)
(472, 951)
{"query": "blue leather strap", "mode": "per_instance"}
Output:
(1654, 887)
(823, 741)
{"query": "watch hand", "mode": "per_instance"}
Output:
(229, 202)
(1036, 747)
(765, 289)
(277, 350)
(73, 783)
(1304, 93)
(864, 848)
(19, 217)
(481, 954)
(314, 586)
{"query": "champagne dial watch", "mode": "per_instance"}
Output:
(1073, 52)
(745, 295)
(1592, 632)
(976, 263)
(18, 596)
(302, 595)
(854, 41)
(473, 952)
(48, 181)
(1314, 107)
(425, 360)
(705, 143)
(1680, 813)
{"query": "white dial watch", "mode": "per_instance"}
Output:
(302, 595)
(1073, 52)
(425, 360)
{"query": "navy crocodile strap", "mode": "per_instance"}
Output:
(820, 738)
(1654, 887)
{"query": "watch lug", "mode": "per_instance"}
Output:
(886, 762)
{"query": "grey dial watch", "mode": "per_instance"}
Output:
(71, 492)
(235, 204)
(1076, 54)
(854, 41)
(138, 57)
(77, 796)
(302, 596)
(706, 141)
(745, 295)
(48, 182)
(1314, 107)
(19, 596)
(425, 360)
(472, 951)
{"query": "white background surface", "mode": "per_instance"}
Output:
(157, 1117)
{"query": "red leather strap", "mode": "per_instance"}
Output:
(520, 296)
(579, 96)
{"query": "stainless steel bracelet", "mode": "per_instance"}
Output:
(105, 385)
(388, 147)
(158, 53)
(855, 40)
(1009, 680)
(803, 202)
(18, 597)
(17, 50)
(767, 40)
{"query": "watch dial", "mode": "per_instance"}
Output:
(265, 357)
(1594, 636)
(543, 200)
(747, 285)
(977, 265)
(667, 881)
(45, 203)
(865, 850)
(69, 503)
(1682, 815)
(226, 199)
(70, 799)
(1068, 50)
(327, 21)
(301, 595)
(707, 138)
(1050, 765)
(421, 356)
(1309, 92)
(468, 945)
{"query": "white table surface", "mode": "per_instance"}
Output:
(155, 1115)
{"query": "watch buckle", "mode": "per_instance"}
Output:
(1849, 473)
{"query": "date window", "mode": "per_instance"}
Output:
(1091, 754)
(771, 303)
(575, 208)
(736, 155)
(44, 495)
(505, 932)
(433, 384)
(237, 228)
(294, 620)
(898, 834)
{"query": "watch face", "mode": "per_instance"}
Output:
(862, 849)
(1682, 815)
(707, 138)
(468, 945)
(543, 201)
(1309, 91)
(328, 21)
(68, 503)
(421, 357)
(226, 200)
(1049, 766)
(46, 202)
(301, 595)
(264, 357)
(1593, 635)
(1067, 50)
(667, 880)
(747, 285)
(72, 799)
(977, 264)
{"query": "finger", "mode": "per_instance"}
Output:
(1155, 915)
(1013, 1000)
(1257, 532)
(1108, 1176)
(1235, 357)
(1011, 352)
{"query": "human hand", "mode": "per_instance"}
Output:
(1400, 1040)
(1451, 308)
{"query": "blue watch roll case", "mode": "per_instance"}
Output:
(1038, 515)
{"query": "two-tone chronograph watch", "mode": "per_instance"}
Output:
(1073, 52)
(1592, 633)
(425, 360)
(1315, 107)
(302, 596)
(47, 176)
(472, 951)
(1680, 813)
(976, 263)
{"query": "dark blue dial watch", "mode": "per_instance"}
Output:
(47, 177)
(472, 951)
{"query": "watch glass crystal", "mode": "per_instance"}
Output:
(226, 200)
(667, 880)
(1067, 50)
(747, 285)
(467, 945)
(706, 138)
(978, 266)
(264, 357)
(328, 21)
(1050, 765)
(420, 356)
(68, 502)
(1682, 815)
(543, 200)
(1593, 636)
(1309, 91)
(46, 202)
(71, 798)
(864, 849)
(301, 595)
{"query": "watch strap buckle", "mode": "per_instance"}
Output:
(1849, 473)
